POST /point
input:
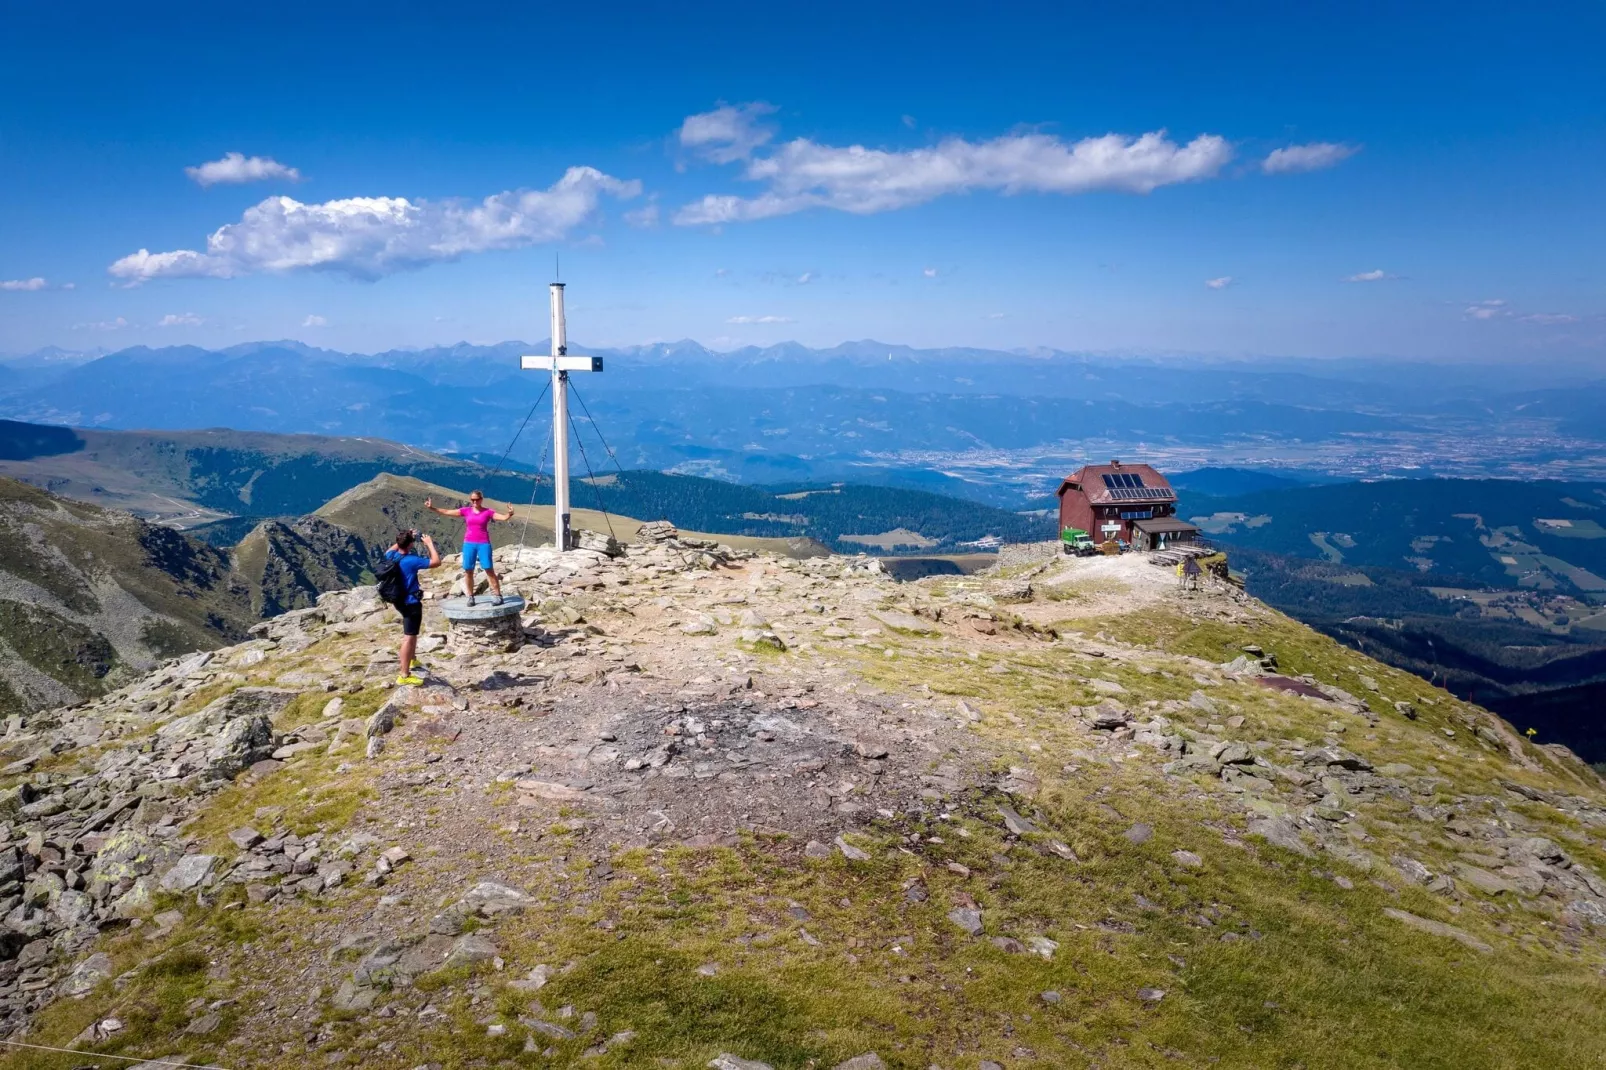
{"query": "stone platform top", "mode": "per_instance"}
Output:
(484, 608)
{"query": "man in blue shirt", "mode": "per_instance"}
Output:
(412, 610)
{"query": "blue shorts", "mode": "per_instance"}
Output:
(479, 552)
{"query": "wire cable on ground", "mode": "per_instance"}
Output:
(98, 1055)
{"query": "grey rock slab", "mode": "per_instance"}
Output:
(87, 974)
(1015, 823)
(353, 997)
(727, 1061)
(189, 872)
(1042, 946)
(1484, 881)
(1280, 832)
(816, 849)
(1232, 753)
(1438, 928)
(1107, 716)
(907, 623)
(470, 948)
(967, 918)
(1411, 869)
(868, 1061)
(1187, 859)
(1151, 995)
(850, 852)
(245, 838)
(489, 898)
(239, 744)
(1139, 833)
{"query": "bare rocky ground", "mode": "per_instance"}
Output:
(267, 853)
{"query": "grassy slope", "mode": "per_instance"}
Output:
(1316, 977)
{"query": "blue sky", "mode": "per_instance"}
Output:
(1222, 179)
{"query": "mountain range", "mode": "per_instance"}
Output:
(989, 425)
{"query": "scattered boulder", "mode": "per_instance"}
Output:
(191, 872)
(967, 918)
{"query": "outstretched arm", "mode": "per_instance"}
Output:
(502, 518)
(429, 503)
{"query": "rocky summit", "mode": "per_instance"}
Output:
(702, 807)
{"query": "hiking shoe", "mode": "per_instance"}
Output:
(470, 599)
(498, 601)
(408, 681)
(416, 665)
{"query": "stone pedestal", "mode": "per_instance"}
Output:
(484, 628)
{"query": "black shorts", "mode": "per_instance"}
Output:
(412, 616)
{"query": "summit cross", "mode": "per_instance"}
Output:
(559, 364)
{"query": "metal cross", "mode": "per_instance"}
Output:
(560, 364)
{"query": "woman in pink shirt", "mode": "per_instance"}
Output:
(476, 540)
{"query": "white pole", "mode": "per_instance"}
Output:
(560, 426)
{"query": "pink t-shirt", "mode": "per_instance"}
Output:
(476, 525)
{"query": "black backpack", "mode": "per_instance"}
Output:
(392, 581)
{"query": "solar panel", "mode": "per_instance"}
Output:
(1139, 494)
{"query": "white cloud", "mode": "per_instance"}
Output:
(909, 121)
(1487, 310)
(321, 321)
(729, 132)
(35, 283)
(1312, 157)
(804, 174)
(368, 237)
(179, 319)
(1219, 283)
(105, 325)
(806, 278)
(235, 168)
(643, 218)
(1548, 318)
(1375, 275)
(759, 319)
(929, 273)
(996, 315)
(720, 273)
(69, 286)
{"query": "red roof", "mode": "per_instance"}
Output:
(1150, 486)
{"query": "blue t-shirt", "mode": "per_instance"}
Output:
(411, 566)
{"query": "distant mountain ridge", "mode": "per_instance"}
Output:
(865, 412)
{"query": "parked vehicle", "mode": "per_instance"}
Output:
(1076, 541)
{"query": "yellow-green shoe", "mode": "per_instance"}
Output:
(416, 665)
(408, 681)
